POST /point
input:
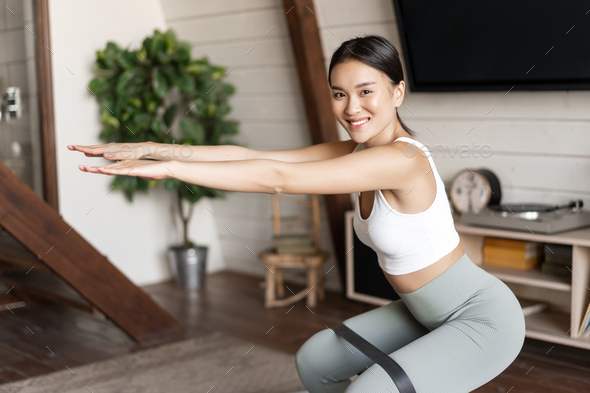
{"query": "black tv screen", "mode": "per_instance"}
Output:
(461, 45)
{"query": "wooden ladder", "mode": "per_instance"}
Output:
(53, 248)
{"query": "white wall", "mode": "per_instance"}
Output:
(253, 38)
(539, 139)
(133, 236)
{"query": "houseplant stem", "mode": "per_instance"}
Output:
(186, 220)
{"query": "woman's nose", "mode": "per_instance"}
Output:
(352, 108)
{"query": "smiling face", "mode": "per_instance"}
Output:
(364, 95)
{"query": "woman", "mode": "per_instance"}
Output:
(456, 327)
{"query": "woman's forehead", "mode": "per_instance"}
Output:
(355, 76)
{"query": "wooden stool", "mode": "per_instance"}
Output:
(312, 262)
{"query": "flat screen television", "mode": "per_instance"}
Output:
(502, 45)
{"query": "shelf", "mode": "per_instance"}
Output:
(580, 237)
(533, 277)
(554, 327)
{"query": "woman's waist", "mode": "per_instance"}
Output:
(456, 285)
(405, 283)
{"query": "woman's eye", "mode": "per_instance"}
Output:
(336, 94)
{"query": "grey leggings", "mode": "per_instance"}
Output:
(454, 334)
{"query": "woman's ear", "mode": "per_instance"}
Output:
(399, 92)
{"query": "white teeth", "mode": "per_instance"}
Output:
(359, 122)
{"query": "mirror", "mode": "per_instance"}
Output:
(20, 148)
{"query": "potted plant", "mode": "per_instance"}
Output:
(140, 92)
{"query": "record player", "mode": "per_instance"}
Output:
(535, 218)
(476, 195)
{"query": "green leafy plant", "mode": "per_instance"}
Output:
(140, 92)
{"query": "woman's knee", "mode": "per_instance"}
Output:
(322, 363)
(312, 354)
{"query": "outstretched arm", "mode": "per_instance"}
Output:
(258, 175)
(381, 167)
(174, 152)
(165, 151)
(239, 175)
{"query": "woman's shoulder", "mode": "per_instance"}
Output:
(404, 148)
(418, 163)
(412, 149)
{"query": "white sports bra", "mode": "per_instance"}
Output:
(405, 243)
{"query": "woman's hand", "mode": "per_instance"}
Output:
(145, 169)
(118, 151)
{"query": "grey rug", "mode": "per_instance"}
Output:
(210, 363)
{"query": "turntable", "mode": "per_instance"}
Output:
(535, 218)
(476, 195)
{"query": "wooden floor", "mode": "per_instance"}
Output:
(51, 337)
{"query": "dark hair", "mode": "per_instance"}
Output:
(375, 51)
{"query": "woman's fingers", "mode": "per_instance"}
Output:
(89, 151)
(83, 148)
(113, 151)
(148, 170)
(88, 168)
(93, 169)
(108, 151)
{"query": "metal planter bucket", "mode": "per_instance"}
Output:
(188, 266)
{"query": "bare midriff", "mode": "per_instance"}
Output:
(404, 283)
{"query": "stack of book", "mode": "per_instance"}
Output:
(558, 259)
(293, 244)
(510, 253)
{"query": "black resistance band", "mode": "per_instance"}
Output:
(396, 373)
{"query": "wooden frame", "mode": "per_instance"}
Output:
(313, 82)
(45, 102)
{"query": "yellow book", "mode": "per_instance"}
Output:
(510, 252)
(511, 263)
(513, 243)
